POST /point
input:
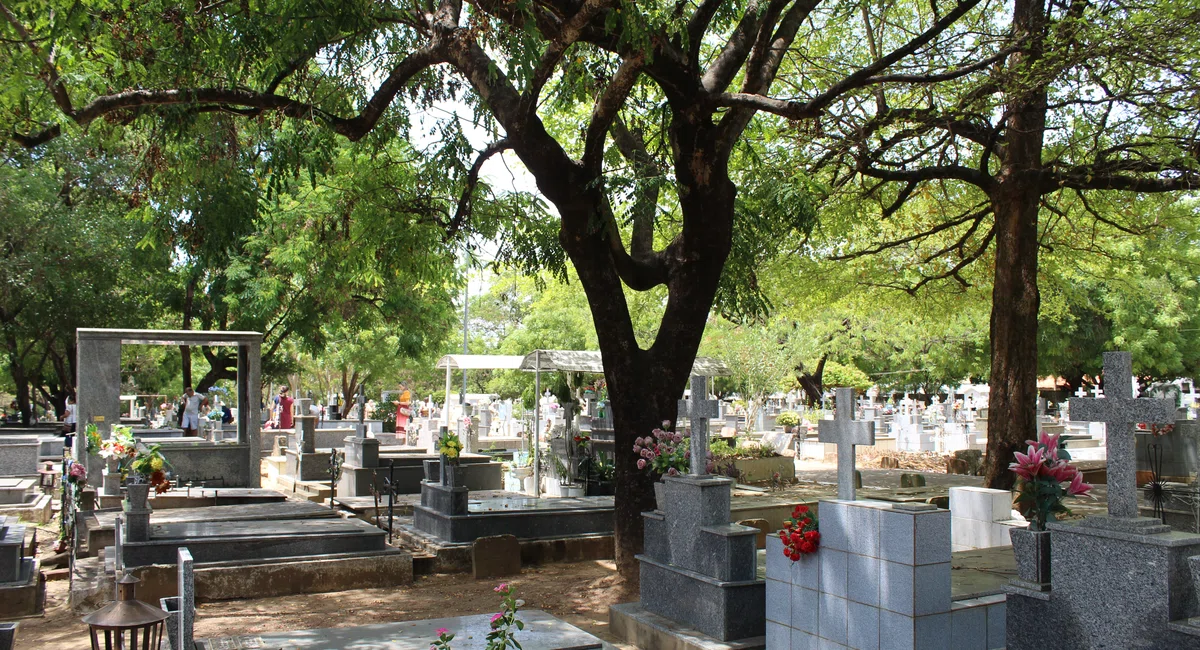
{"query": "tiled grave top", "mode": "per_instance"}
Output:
(529, 504)
(251, 529)
(542, 632)
(247, 512)
(14, 482)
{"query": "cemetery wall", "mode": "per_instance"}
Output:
(191, 461)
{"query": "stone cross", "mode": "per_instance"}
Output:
(846, 432)
(1080, 392)
(1120, 412)
(1097, 393)
(698, 410)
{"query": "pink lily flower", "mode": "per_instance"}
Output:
(1078, 487)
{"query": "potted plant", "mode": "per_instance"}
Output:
(665, 453)
(1045, 477)
(789, 420)
(450, 447)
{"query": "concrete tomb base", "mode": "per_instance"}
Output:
(1111, 589)
(697, 568)
(447, 514)
(542, 632)
(644, 629)
(22, 587)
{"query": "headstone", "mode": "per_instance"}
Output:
(495, 556)
(698, 410)
(306, 427)
(912, 480)
(846, 433)
(1120, 412)
(279, 447)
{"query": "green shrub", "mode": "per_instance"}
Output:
(788, 419)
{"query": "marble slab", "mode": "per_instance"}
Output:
(542, 632)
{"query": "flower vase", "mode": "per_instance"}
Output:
(660, 495)
(454, 475)
(1032, 550)
(137, 495)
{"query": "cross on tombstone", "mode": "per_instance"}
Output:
(846, 432)
(1097, 393)
(1120, 412)
(698, 410)
(1080, 392)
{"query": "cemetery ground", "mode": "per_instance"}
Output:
(579, 593)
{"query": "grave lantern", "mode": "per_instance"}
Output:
(126, 623)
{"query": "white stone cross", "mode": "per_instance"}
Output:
(698, 410)
(1097, 393)
(846, 432)
(1120, 412)
(1080, 392)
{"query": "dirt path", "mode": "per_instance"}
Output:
(579, 593)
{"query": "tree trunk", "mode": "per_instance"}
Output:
(16, 368)
(645, 385)
(1012, 403)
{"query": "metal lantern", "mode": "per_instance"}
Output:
(126, 623)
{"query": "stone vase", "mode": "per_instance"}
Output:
(1032, 550)
(455, 477)
(431, 471)
(137, 495)
(660, 495)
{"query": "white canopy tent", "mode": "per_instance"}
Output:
(549, 360)
(464, 362)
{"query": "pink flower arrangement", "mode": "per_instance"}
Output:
(665, 452)
(1045, 477)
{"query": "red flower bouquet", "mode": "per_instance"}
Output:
(800, 535)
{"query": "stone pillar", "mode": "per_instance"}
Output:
(98, 391)
(187, 602)
(249, 390)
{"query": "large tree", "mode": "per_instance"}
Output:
(676, 85)
(1066, 102)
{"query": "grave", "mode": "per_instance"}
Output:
(697, 569)
(22, 587)
(99, 382)
(19, 456)
(1120, 580)
(21, 499)
(542, 632)
(880, 578)
(369, 464)
(240, 551)
(447, 515)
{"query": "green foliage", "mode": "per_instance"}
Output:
(788, 419)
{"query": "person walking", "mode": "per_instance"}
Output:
(285, 409)
(191, 412)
